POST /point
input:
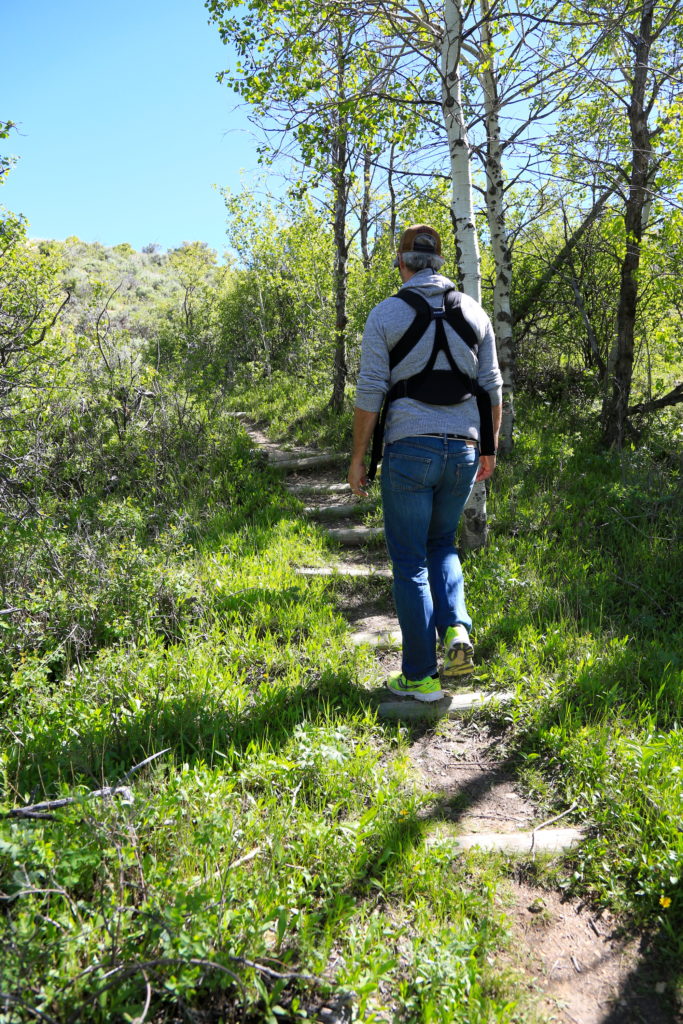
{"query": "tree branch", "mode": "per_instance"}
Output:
(672, 397)
(552, 268)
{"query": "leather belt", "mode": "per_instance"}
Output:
(453, 437)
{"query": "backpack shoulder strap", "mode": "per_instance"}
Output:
(456, 319)
(423, 317)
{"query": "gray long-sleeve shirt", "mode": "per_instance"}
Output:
(386, 324)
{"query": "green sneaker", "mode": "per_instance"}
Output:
(427, 689)
(458, 652)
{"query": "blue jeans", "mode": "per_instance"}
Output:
(425, 484)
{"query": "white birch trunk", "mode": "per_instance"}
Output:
(462, 205)
(473, 529)
(495, 215)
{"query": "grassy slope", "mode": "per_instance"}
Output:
(280, 826)
(578, 602)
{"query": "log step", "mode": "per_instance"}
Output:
(343, 511)
(352, 535)
(448, 707)
(317, 488)
(383, 639)
(343, 570)
(545, 840)
(301, 464)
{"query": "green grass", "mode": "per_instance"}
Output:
(275, 826)
(279, 827)
(578, 606)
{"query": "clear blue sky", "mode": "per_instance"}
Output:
(123, 127)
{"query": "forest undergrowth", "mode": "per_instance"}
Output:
(268, 858)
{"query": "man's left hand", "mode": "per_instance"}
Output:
(487, 464)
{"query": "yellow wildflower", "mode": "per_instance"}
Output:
(665, 901)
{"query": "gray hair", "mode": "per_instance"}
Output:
(422, 261)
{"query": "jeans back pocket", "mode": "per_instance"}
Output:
(407, 472)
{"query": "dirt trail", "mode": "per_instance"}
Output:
(571, 962)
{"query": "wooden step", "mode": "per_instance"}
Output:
(344, 570)
(383, 639)
(344, 511)
(450, 706)
(545, 840)
(352, 535)
(317, 488)
(306, 462)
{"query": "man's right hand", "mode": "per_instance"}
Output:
(358, 478)
(487, 464)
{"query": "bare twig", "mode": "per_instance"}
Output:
(148, 999)
(6, 998)
(557, 817)
(247, 857)
(497, 817)
(280, 975)
(127, 970)
(649, 597)
(136, 767)
(548, 822)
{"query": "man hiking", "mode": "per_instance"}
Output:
(429, 363)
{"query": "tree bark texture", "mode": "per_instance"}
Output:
(392, 196)
(495, 214)
(340, 186)
(473, 529)
(462, 205)
(365, 210)
(620, 367)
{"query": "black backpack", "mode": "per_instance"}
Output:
(435, 387)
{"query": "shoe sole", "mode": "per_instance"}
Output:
(425, 697)
(461, 664)
(453, 671)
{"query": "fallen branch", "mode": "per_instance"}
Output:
(39, 810)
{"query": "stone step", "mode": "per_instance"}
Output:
(383, 639)
(450, 706)
(545, 840)
(304, 463)
(317, 488)
(352, 535)
(344, 570)
(344, 511)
